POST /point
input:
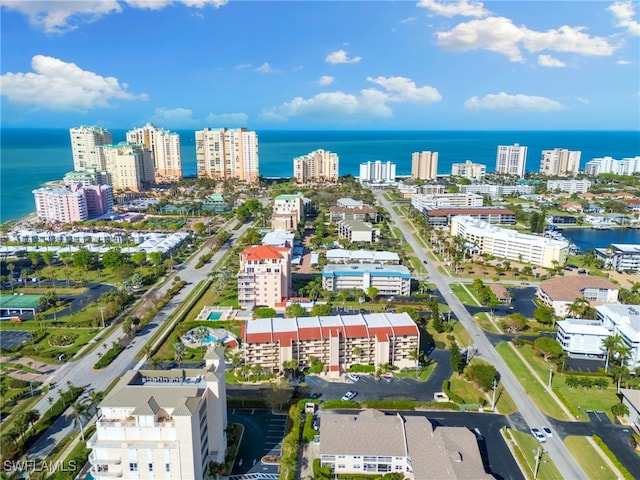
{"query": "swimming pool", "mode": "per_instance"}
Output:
(214, 316)
(210, 339)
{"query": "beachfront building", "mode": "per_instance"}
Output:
(130, 166)
(421, 201)
(388, 279)
(374, 443)
(85, 147)
(620, 257)
(99, 199)
(165, 146)
(89, 176)
(338, 255)
(264, 276)
(338, 342)
(288, 211)
(470, 170)
(227, 154)
(560, 162)
(424, 165)
(60, 205)
(560, 292)
(569, 186)
(504, 243)
(356, 231)
(441, 217)
(378, 172)
(497, 191)
(626, 166)
(162, 424)
(511, 160)
(317, 165)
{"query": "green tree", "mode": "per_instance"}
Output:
(457, 360)
(79, 414)
(155, 258)
(139, 258)
(34, 257)
(295, 310)
(620, 410)
(179, 351)
(481, 374)
(515, 323)
(82, 259)
(548, 348)
(545, 315)
(264, 312)
(321, 310)
(113, 258)
(372, 293)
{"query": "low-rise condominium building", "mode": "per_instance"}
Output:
(504, 243)
(162, 424)
(362, 256)
(388, 279)
(441, 217)
(356, 231)
(569, 186)
(422, 201)
(338, 342)
(561, 292)
(373, 443)
(620, 257)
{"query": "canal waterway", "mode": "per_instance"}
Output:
(589, 238)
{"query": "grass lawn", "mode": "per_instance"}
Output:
(463, 295)
(526, 450)
(483, 321)
(589, 459)
(545, 402)
(467, 391)
(504, 403)
(463, 339)
(590, 399)
(422, 375)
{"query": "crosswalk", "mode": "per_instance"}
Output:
(255, 476)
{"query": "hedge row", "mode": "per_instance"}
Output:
(454, 397)
(109, 356)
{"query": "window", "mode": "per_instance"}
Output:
(133, 466)
(151, 467)
(167, 467)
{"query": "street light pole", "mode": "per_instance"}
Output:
(538, 458)
(102, 315)
(493, 399)
(550, 375)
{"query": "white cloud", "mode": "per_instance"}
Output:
(549, 61)
(340, 56)
(624, 62)
(408, 20)
(463, 8)
(183, 118)
(506, 102)
(59, 86)
(264, 68)
(61, 16)
(401, 89)
(325, 80)
(343, 107)
(242, 66)
(499, 34)
(624, 13)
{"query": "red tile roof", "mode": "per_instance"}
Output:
(263, 252)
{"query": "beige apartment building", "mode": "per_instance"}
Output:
(85, 147)
(288, 211)
(424, 165)
(226, 154)
(264, 278)
(162, 424)
(317, 165)
(470, 170)
(130, 166)
(165, 146)
(560, 162)
(338, 341)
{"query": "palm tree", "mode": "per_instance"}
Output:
(579, 307)
(179, 350)
(79, 413)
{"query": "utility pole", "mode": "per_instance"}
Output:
(550, 375)
(538, 458)
(101, 308)
(493, 399)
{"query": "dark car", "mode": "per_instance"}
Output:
(315, 395)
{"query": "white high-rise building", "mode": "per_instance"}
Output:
(317, 165)
(227, 154)
(162, 424)
(626, 166)
(377, 171)
(511, 159)
(85, 147)
(424, 165)
(130, 165)
(470, 170)
(560, 162)
(165, 146)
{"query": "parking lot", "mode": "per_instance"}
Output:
(10, 339)
(263, 434)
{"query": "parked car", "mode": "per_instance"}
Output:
(349, 395)
(547, 431)
(353, 377)
(315, 395)
(538, 435)
(387, 378)
(391, 298)
(316, 425)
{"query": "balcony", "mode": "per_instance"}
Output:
(103, 461)
(98, 473)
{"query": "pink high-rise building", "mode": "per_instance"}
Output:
(60, 205)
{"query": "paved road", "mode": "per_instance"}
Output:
(534, 418)
(80, 372)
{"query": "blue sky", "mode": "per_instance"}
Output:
(431, 64)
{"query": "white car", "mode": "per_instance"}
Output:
(547, 431)
(538, 435)
(353, 377)
(349, 395)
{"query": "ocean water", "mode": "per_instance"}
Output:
(31, 157)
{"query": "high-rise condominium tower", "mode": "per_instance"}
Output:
(85, 147)
(424, 165)
(511, 159)
(227, 154)
(317, 165)
(130, 166)
(165, 146)
(560, 162)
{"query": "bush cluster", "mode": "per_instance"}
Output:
(574, 381)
